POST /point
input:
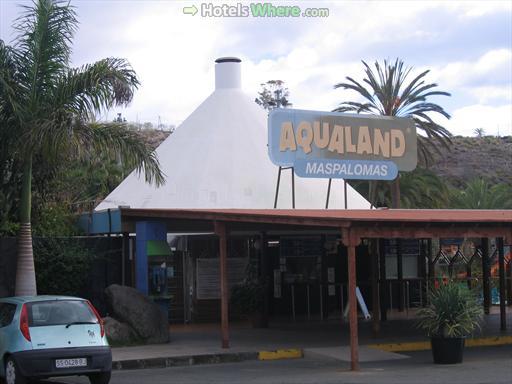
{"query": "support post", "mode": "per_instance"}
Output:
(277, 186)
(328, 194)
(469, 272)
(345, 198)
(125, 255)
(430, 271)
(395, 193)
(293, 188)
(351, 241)
(400, 275)
(508, 268)
(374, 255)
(422, 266)
(486, 275)
(431, 266)
(383, 281)
(501, 263)
(220, 231)
(265, 276)
(324, 298)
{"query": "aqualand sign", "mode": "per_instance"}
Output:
(339, 145)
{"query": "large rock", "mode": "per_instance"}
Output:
(119, 333)
(137, 310)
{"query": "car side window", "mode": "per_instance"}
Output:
(7, 311)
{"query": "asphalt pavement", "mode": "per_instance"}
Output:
(481, 365)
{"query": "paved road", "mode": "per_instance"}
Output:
(481, 365)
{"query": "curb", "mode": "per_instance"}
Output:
(281, 354)
(181, 361)
(425, 345)
(216, 358)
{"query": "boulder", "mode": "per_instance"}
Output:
(119, 333)
(139, 312)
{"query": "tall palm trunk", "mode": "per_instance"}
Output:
(25, 271)
(372, 192)
(395, 193)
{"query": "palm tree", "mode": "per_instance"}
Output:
(479, 194)
(479, 132)
(420, 189)
(47, 108)
(388, 92)
(423, 189)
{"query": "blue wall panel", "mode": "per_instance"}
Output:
(146, 230)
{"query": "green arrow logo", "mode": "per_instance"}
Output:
(190, 10)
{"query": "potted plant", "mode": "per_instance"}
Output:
(248, 298)
(452, 315)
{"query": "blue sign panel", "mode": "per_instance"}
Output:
(346, 169)
(340, 145)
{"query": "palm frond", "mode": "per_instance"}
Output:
(478, 194)
(414, 87)
(388, 91)
(10, 90)
(96, 87)
(83, 140)
(351, 106)
(428, 107)
(46, 30)
(356, 86)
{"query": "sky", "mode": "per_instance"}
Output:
(466, 45)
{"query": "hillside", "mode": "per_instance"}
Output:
(153, 137)
(489, 157)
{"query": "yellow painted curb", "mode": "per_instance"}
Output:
(425, 345)
(402, 347)
(280, 354)
(489, 341)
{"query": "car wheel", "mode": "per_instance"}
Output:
(12, 373)
(100, 378)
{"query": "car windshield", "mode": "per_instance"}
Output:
(59, 312)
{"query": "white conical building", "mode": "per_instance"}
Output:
(217, 158)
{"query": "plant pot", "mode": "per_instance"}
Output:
(447, 350)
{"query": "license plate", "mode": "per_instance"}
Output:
(71, 363)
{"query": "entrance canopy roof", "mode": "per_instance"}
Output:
(380, 223)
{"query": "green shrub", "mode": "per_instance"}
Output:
(54, 220)
(62, 266)
(453, 311)
(248, 297)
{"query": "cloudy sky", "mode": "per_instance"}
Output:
(466, 45)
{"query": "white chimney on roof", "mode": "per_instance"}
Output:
(227, 73)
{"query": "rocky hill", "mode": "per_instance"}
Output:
(154, 137)
(487, 157)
